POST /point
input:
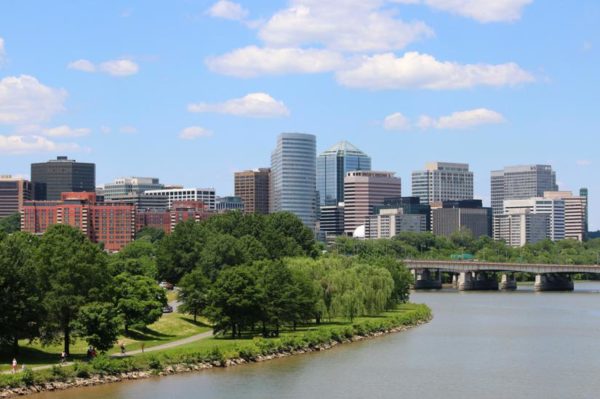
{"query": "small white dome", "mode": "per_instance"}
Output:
(359, 232)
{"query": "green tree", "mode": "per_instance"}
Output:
(19, 288)
(10, 224)
(193, 293)
(73, 273)
(138, 300)
(151, 234)
(98, 323)
(179, 252)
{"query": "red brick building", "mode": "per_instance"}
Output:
(167, 220)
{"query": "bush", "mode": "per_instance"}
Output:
(248, 352)
(59, 373)
(27, 377)
(104, 365)
(215, 355)
(81, 370)
(154, 363)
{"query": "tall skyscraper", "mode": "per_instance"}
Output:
(61, 175)
(363, 192)
(124, 186)
(520, 182)
(448, 217)
(13, 192)
(252, 186)
(332, 166)
(443, 181)
(293, 176)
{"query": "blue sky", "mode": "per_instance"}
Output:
(191, 91)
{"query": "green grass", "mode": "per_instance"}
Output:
(170, 327)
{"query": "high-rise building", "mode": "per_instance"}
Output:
(293, 177)
(252, 186)
(448, 217)
(332, 167)
(575, 213)
(141, 201)
(13, 193)
(124, 186)
(553, 207)
(331, 220)
(61, 175)
(520, 227)
(409, 206)
(390, 222)
(363, 192)
(225, 204)
(204, 195)
(520, 182)
(166, 220)
(583, 192)
(443, 181)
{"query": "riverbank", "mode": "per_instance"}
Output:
(212, 353)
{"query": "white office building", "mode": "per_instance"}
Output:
(390, 222)
(575, 213)
(125, 186)
(204, 195)
(443, 181)
(554, 208)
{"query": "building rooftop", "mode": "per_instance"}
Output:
(345, 147)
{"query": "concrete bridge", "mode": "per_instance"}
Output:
(479, 275)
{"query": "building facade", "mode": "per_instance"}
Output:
(226, 204)
(448, 217)
(332, 167)
(409, 206)
(13, 193)
(554, 208)
(141, 201)
(204, 195)
(521, 227)
(390, 222)
(125, 186)
(520, 182)
(363, 192)
(293, 177)
(166, 220)
(575, 213)
(443, 181)
(331, 220)
(253, 187)
(50, 179)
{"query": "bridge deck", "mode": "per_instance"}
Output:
(471, 266)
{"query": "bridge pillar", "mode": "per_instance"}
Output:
(485, 281)
(465, 281)
(553, 282)
(454, 280)
(508, 282)
(428, 279)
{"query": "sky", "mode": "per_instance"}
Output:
(191, 91)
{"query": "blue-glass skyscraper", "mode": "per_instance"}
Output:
(293, 176)
(332, 166)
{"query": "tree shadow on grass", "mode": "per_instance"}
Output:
(35, 356)
(146, 334)
(196, 323)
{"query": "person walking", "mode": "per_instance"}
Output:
(122, 348)
(63, 357)
(14, 365)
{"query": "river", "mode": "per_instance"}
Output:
(479, 345)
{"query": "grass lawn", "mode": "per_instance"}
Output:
(170, 327)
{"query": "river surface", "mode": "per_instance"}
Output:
(479, 345)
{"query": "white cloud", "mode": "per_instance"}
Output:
(396, 121)
(480, 10)
(228, 10)
(254, 61)
(121, 67)
(24, 99)
(583, 162)
(422, 71)
(343, 25)
(194, 132)
(82, 65)
(462, 120)
(66, 131)
(128, 129)
(16, 145)
(254, 105)
(2, 51)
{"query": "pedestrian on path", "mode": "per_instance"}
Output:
(122, 348)
(14, 365)
(63, 357)
(143, 344)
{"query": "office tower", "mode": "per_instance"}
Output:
(204, 195)
(293, 177)
(520, 182)
(409, 206)
(141, 201)
(390, 222)
(575, 213)
(331, 220)
(332, 167)
(252, 186)
(61, 175)
(225, 204)
(520, 227)
(448, 217)
(124, 186)
(13, 192)
(443, 181)
(363, 191)
(554, 208)
(583, 192)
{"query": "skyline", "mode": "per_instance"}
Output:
(532, 104)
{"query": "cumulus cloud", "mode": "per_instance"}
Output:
(254, 61)
(17, 145)
(462, 120)
(2, 51)
(342, 25)
(253, 105)
(479, 10)
(66, 131)
(120, 67)
(422, 71)
(194, 132)
(227, 10)
(24, 99)
(396, 121)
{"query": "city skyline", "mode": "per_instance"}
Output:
(170, 86)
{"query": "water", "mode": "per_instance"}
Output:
(479, 345)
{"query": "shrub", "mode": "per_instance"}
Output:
(59, 373)
(81, 370)
(248, 352)
(154, 363)
(27, 377)
(215, 355)
(104, 365)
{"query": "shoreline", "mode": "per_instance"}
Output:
(180, 368)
